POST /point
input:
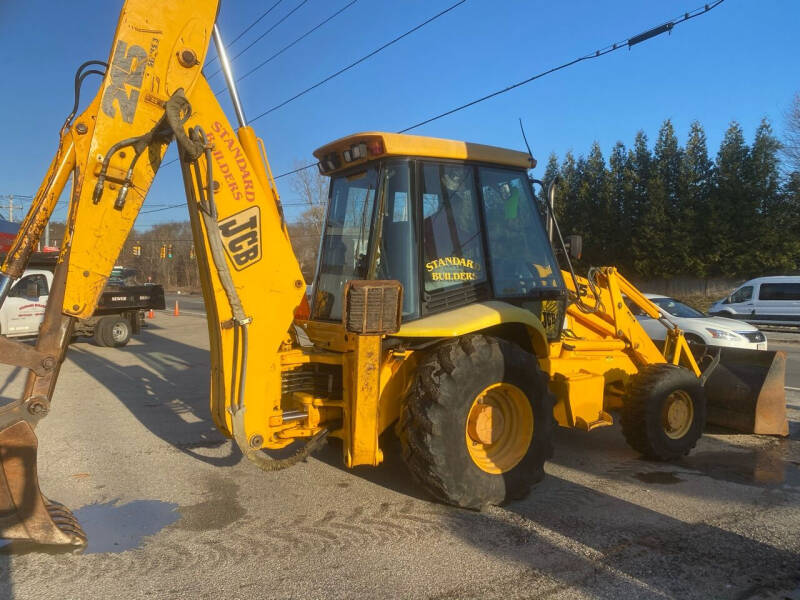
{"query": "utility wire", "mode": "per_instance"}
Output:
(359, 61)
(340, 71)
(259, 38)
(145, 212)
(285, 48)
(246, 29)
(628, 43)
(171, 206)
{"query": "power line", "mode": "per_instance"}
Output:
(340, 71)
(359, 61)
(255, 41)
(285, 48)
(628, 43)
(168, 207)
(171, 206)
(246, 29)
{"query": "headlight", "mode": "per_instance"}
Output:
(721, 334)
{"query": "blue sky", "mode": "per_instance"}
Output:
(738, 62)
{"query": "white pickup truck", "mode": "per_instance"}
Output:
(118, 316)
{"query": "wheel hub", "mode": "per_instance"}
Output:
(678, 414)
(119, 331)
(499, 428)
(485, 424)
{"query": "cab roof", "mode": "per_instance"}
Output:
(370, 145)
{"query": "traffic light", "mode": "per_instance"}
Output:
(163, 252)
(169, 251)
(137, 249)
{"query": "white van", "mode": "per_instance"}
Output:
(766, 301)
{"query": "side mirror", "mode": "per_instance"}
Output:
(574, 244)
(32, 290)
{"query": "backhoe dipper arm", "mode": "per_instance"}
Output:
(153, 91)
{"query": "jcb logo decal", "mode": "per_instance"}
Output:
(127, 69)
(241, 235)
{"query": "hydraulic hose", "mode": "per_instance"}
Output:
(193, 146)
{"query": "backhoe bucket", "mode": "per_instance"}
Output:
(24, 513)
(746, 391)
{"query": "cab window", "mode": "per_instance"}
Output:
(30, 286)
(396, 254)
(743, 294)
(346, 242)
(452, 244)
(520, 257)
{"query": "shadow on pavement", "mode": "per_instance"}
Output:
(164, 395)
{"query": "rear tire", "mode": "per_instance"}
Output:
(664, 411)
(438, 423)
(119, 332)
(99, 335)
(113, 331)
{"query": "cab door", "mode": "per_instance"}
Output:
(25, 305)
(741, 302)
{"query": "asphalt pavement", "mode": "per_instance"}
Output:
(172, 510)
(790, 344)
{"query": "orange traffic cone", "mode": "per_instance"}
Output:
(151, 314)
(177, 312)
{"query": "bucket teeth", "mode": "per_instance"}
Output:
(25, 514)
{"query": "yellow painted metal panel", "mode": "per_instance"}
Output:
(364, 366)
(143, 71)
(269, 284)
(475, 317)
(581, 397)
(399, 144)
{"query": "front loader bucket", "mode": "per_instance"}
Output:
(746, 391)
(24, 513)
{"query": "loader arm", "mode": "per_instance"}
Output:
(153, 91)
(603, 311)
(744, 388)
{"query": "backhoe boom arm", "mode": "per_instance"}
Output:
(153, 91)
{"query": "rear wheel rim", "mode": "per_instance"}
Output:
(499, 428)
(119, 331)
(677, 415)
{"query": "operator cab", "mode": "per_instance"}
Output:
(456, 223)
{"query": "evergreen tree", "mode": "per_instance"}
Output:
(733, 209)
(696, 184)
(664, 193)
(567, 195)
(764, 188)
(621, 190)
(551, 171)
(640, 161)
(593, 200)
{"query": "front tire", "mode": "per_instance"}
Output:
(664, 411)
(477, 424)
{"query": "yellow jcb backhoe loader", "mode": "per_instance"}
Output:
(438, 306)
